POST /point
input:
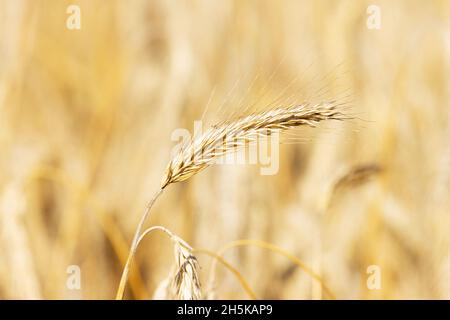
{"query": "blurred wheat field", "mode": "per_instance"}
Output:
(86, 118)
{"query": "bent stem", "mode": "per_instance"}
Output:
(134, 245)
(279, 250)
(229, 267)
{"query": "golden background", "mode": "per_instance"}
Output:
(86, 118)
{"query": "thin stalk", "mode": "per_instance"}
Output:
(134, 245)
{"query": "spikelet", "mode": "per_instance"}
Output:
(186, 282)
(183, 281)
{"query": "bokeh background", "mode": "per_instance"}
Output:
(86, 118)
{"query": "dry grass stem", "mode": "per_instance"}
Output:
(228, 266)
(276, 249)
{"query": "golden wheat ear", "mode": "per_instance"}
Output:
(226, 137)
